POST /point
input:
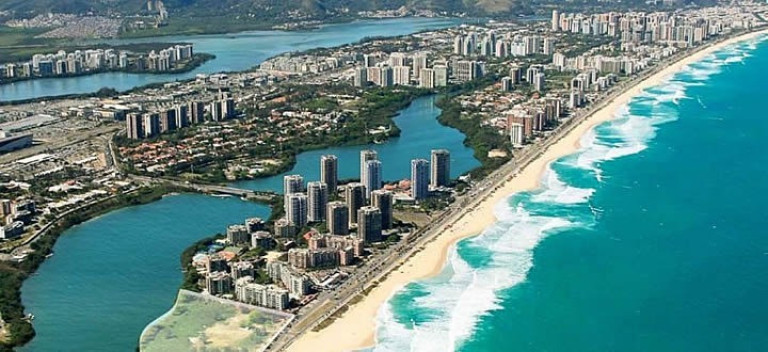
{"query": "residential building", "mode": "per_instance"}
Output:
(419, 179)
(238, 234)
(384, 201)
(372, 177)
(317, 196)
(369, 224)
(296, 209)
(269, 296)
(440, 168)
(329, 172)
(338, 218)
(354, 194)
(366, 155)
(218, 283)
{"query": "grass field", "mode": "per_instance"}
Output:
(203, 323)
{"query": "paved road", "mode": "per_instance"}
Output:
(217, 189)
(327, 303)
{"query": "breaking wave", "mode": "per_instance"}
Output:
(441, 313)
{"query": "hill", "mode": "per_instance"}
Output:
(272, 8)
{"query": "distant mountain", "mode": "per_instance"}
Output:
(272, 11)
(275, 8)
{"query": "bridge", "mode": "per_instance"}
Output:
(212, 189)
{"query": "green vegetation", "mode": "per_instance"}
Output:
(200, 323)
(482, 139)
(12, 275)
(373, 112)
(20, 44)
(191, 277)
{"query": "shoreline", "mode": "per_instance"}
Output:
(184, 80)
(356, 328)
(197, 60)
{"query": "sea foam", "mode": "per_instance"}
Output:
(479, 269)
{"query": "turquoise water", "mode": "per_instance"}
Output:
(650, 238)
(113, 275)
(420, 133)
(234, 52)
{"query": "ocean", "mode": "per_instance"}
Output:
(114, 274)
(650, 238)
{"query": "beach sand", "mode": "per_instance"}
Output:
(356, 328)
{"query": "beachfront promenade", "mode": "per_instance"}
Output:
(372, 274)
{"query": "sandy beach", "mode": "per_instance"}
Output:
(356, 328)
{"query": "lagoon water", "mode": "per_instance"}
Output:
(113, 275)
(420, 133)
(650, 238)
(234, 52)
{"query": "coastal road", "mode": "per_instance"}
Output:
(368, 276)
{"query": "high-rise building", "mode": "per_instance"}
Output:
(317, 198)
(296, 210)
(419, 179)
(501, 49)
(427, 78)
(338, 218)
(469, 46)
(419, 62)
(372, 177)
(397, 59)
(361, 77)
(228, 107)
(197, 112)
(386, 78)
(182, 116)
(516, 74)
(531, 72)
(292, 184)
(466, 70)
(369, 224)
(238, 234)
(368, 60)
(151, 124)
(329, 172)
(402, 75)
(555, 21)
(548, 47)
(383, 200)
(440, 173)
(168, 120)
(538, 81)
(486, 47)
(216, 110)
(516, 135)
(458, 45)
(441, 75)
(135, 126)
(354, 195)
(506, 84)
(284, 228)
(366, 155)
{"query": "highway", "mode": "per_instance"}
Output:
(368, 275)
